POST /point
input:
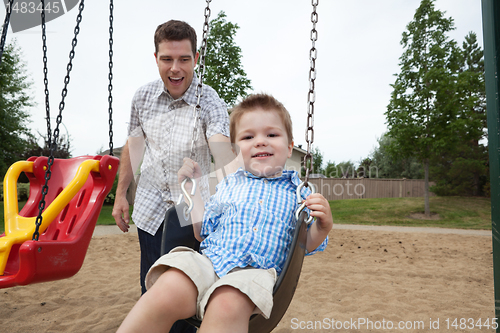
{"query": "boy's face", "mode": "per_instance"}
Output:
(176, 63)
(263, 143)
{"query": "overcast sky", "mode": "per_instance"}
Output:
(358, 51)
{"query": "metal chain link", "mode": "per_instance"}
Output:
(46, 79)
(110, 76)
(53, 144)
(5, 28)
(201, 72)
(311, 97)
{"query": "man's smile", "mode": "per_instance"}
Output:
(175, 80)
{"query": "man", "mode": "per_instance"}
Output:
(160, 136)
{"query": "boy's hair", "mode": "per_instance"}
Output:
(177, 31)
(265, 102)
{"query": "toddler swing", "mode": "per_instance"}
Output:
(45, 244)
(178, 216)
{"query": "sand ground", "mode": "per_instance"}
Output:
(370, 279)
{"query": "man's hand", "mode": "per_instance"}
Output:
(190, 169)
(121, 213)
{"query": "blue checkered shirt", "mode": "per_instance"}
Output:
(250, 221)
(167, 127)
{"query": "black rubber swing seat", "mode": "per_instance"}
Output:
(286, 284)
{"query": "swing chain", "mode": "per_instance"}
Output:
(53, 143)
(311, 97)
(110, 76)
(201, 72)
(5, 27)
(46, 79)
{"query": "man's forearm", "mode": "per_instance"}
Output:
(224, 157)
(130, 159)
(126, 174)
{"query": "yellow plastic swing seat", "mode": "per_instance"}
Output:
(76, 192)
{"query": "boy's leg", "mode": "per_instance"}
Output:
(172, 297)
(228, 310)
(150, 252)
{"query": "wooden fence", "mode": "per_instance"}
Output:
(362, 188)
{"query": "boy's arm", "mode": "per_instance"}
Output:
(191, 169)
(197, 215)
(320, 208)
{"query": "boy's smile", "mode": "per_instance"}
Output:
(263, 143)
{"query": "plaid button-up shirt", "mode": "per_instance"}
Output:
(167, 127)
(250, 221)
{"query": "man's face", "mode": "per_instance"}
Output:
(263, 143)
(176, 63)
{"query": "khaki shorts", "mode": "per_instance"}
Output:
(256, 283)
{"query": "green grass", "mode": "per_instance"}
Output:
(454, 212)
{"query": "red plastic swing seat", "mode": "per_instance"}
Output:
(62, 246)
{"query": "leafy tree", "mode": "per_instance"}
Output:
(14, 102)
(346, 170)
(365, 168)
(223, 69)
(341, 170)
(317, 161)
(331, 170)
(462, 170)
(385, 165)
(421, 106)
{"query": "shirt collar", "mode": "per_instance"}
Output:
(189, 95)
(287, 174)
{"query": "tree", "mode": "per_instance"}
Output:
(385, 165)
(14, 101)
(223, 69)
(463, 169)
(346, 170)
(421, 107)
(365, 168)
(317, 161)
(331, 170)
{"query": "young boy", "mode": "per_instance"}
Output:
(246, 231)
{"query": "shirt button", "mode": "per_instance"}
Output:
(261, 202)
(255, 229)
(265, 181)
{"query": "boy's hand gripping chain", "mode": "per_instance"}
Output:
(302, 203)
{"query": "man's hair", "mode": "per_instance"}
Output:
(177, 31)
(265, 102)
